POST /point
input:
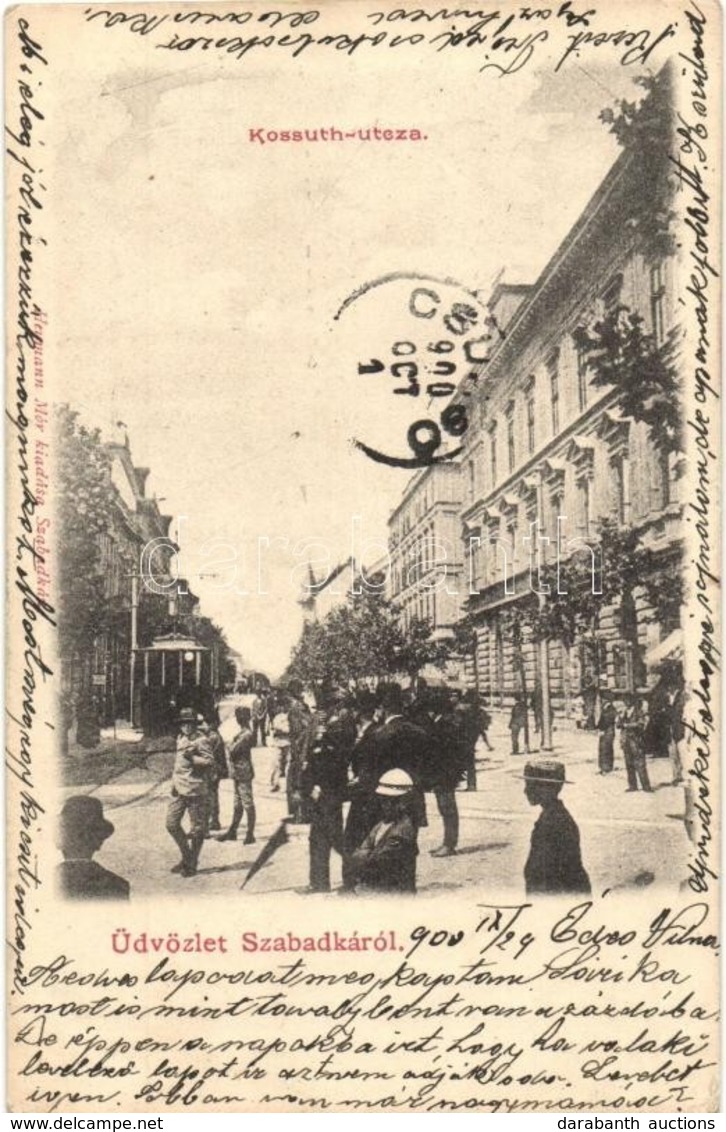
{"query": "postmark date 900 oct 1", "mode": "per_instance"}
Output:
(447, 340)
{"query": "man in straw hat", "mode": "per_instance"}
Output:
(554, 864)
(386, 861)
(81, 833)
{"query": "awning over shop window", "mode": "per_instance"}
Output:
(671, 648)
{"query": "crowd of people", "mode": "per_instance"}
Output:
(358, 768)
(378, 752)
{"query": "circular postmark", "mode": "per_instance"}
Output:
(414, 346)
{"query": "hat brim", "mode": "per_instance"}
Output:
(393, 792)
(547, 778)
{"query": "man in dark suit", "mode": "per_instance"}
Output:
(400, 744)
(450, 762)
(554, 864)
(82, 831)
(364, 808)
(324, 781)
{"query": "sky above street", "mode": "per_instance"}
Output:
(201, 273)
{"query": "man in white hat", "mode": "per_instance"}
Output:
(386, 861)
(554, 864)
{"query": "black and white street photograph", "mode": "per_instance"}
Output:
(416, 624)
(363, 526)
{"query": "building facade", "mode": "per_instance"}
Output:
(426, 551)
(135, 611)
(550, 455)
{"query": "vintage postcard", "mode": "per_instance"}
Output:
(363, 459)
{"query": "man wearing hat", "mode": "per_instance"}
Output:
(242, 773)
(398, 743)
(554, 864)
(82, 831)
(364, 809)
(386, 861)
(193, 765)
(632, 736)
(324, 783)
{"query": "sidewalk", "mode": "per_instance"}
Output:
(132, 761)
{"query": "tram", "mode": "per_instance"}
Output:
(175, 672)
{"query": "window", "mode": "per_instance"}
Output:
(582, 379)
(511, 453)
(621, 486)
(472, 479)
(493, 458)
(530, 419)
(583, 509)
(611, 294)
(657, 302)
(660, 489)
(556, 502)
(512, 541)
(665, 478)
(553, 370)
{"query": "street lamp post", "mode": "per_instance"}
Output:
(134, 642)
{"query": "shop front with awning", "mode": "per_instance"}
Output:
(670, 648)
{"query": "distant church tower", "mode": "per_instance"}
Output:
(308, 593)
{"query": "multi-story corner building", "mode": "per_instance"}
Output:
(546, 445)
(425, 549)
(134, 610)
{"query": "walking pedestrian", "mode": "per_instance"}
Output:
(242, 773)
(281, 737)
(325, 782)
(485, 722)
(678, 730)
(218, 771)
(517, 721)
(554, 864)
(364, 808)
(193, 764)
(657, 735)
(401, 744)
(450, 761)
(386, 861)
(606, 742)
(299, 719)
(466, 729)
(632, 731)
(259, 718)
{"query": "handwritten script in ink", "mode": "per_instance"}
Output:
(505, 1012)
(498, 43)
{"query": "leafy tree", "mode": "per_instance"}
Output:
(85, 503)
(311, 661)
(618, 350)
(420, 648)
(644, 127)
(622, 355)
(607, 574)
(362, 642)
